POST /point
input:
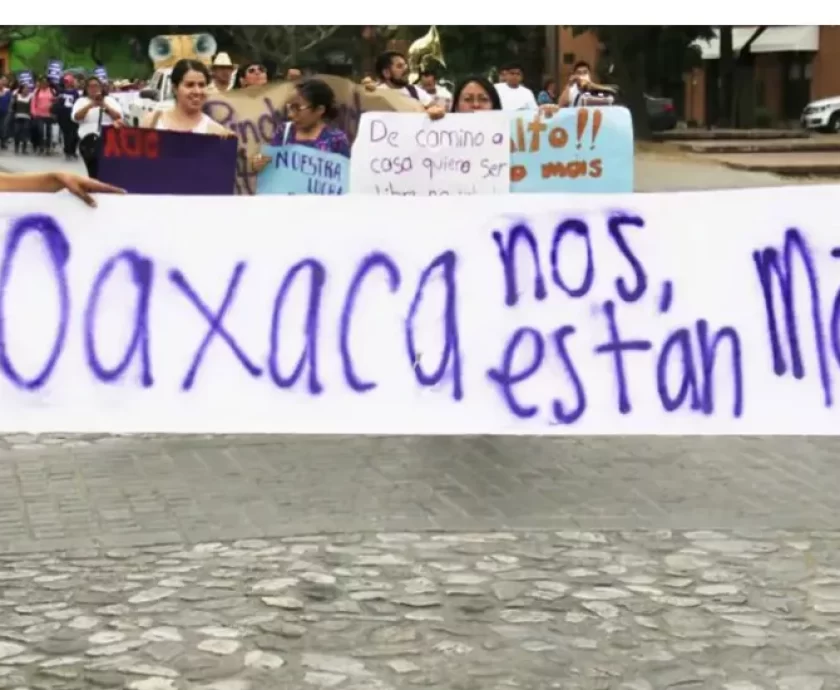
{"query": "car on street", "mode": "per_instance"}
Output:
(822, 115)
(662, 116)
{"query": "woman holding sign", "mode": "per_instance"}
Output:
(310, 110)
(475, 94)
(190, 79)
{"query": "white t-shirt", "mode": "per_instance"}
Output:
(90, 123)
(441, 97)
(520, 98)
(424, 98)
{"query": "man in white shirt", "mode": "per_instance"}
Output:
(440, 94)
(392, 72)
(581, 92)
(513, 95)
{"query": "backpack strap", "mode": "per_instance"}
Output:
(412, 89)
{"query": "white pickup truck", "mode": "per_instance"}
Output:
(156, 96)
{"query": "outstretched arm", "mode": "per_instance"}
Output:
(77, 185)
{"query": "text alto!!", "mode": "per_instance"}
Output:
(531, 137)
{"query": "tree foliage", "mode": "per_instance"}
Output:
(16, 33)
(282, 45)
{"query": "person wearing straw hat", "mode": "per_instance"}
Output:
(222, 70)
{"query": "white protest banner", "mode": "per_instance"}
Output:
(406, 154)
(696, 313)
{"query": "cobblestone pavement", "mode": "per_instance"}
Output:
(576, 610)
(593, 564)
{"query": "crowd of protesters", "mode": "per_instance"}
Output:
(39, 118)
(80, 108)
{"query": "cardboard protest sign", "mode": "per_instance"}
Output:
(577, 150)
(255, 114)
(415, 156)
(552, 315)
(152, 161)
(297, 169)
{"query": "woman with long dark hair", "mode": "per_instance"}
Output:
(311, 109)
(190, 79)
(93, 111)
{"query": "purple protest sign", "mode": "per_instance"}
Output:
(151, 161)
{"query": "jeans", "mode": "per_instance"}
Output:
(70, 132)
(22, 132)
(5, 128)
(42, 133)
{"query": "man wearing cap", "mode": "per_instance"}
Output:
(222, 69)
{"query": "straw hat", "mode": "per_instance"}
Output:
(222, 60)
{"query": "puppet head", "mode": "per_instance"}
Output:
(165, 51)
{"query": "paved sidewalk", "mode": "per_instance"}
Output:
(58, 493)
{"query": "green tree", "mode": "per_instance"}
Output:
(643, 56)
(16, 33)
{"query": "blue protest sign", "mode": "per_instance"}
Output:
(54, 71)
(300, 169)
(101, 73)
(579, 150)
(26, 77)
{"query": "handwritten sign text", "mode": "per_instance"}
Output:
(576, 150)
(704, 313)
(404, 154)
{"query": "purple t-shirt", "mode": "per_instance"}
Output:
(330, 139)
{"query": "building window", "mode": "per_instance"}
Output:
(568, 58)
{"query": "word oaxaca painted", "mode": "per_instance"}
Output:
(582, 150)
(151, 161)
(298, 169)
(406, 154)
(703, 313)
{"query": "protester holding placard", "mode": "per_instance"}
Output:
(310, 110)
(308, 155)
(42, 122)
(475, 93)
(190, 79)
(67, 98)
(93, 111)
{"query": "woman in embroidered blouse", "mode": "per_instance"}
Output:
(310, 109)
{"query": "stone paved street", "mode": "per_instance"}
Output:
(233, 563)
(574, 610)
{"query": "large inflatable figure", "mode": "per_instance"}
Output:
(165, 51)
